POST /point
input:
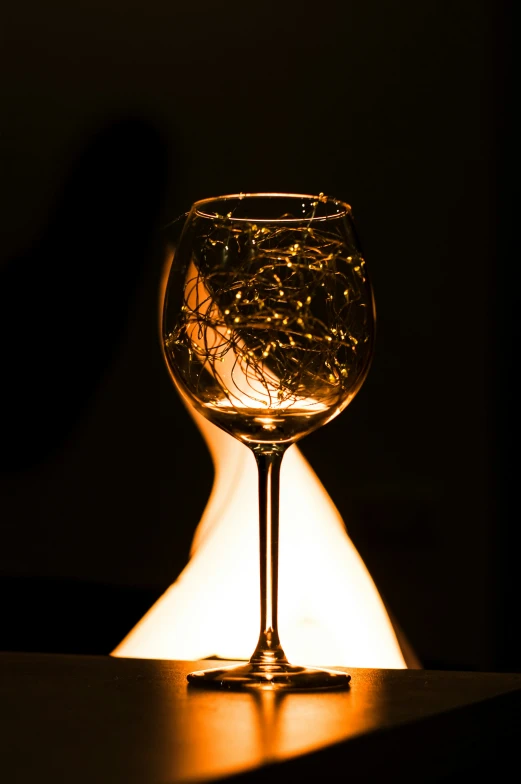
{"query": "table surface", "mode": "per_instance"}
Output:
(104, 719)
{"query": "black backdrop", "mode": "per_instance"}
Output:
(117, 115)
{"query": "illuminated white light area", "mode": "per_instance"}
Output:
(330, 611)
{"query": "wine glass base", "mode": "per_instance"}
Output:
(279, 677)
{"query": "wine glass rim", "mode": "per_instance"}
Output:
(345, 208)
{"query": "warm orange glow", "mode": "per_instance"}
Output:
(330, 612)
(264, 727)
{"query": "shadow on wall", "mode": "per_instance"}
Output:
(74, 498)
(64, 304)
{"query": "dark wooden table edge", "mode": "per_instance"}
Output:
(472, 740)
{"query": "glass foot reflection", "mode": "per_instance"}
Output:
(279, 677)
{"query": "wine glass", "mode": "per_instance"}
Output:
(268, 330)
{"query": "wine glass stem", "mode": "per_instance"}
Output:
(269, 458)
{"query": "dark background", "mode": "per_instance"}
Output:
(118, 115)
